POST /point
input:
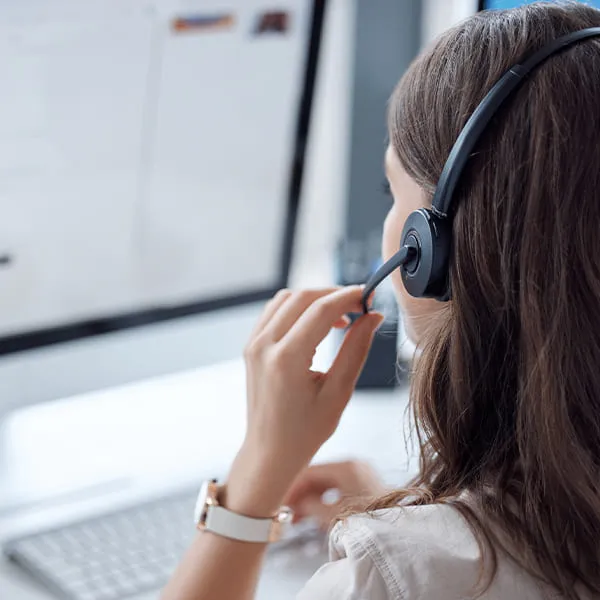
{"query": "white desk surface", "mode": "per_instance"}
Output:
(74, 457)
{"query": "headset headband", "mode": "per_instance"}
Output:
(487, 108)
(424, 254)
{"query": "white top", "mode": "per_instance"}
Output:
(424, 552)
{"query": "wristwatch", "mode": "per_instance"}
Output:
(211, 516)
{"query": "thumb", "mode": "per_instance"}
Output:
(314, 481)
(348, 364)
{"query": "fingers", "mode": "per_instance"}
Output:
(314, 323)
(288, 314)
(273, 305)
(351, 479)
(342, 322)
(348, 364)
(270, 309)
(314, 508)
(315, 480)
(275, 322)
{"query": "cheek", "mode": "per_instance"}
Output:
(392, 230)
(392, 233)
(393, 227)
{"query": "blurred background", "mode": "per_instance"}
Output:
(165, 167)
(156, 171)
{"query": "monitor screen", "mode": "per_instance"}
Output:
(502, 4)
(150, 158)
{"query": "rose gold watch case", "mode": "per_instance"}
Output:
(206, 498)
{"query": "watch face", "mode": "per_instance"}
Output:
(201, 504)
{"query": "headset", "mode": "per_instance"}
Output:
(425, 248)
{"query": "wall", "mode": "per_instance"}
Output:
(324, 188)
(438, 15)
(320, 222)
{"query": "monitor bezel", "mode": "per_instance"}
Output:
(40, 338)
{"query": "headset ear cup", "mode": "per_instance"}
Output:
(427, 275)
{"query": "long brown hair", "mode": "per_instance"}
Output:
(506, 390)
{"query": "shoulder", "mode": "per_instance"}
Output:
(433, 525)
(421, 552)
(413, 548)
(425, 552)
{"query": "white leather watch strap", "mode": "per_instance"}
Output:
(229, 524)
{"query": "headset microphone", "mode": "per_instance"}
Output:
(425, 247)
(402, 257)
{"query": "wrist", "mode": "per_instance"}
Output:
(254, 488)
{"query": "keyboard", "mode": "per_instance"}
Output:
(127, 552)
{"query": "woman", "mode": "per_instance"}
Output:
(506, 389)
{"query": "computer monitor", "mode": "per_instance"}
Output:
(151, 158)
(503, 4)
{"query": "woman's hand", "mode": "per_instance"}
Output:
(349, 479)
(293, 410)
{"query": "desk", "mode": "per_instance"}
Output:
(66, 459)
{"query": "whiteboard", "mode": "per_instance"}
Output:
(146, 150)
